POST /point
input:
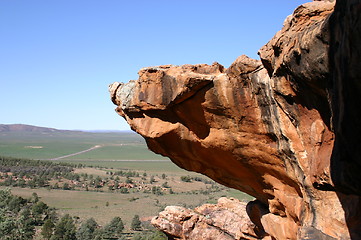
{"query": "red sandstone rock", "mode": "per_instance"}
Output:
(225, 220)
(275, 129)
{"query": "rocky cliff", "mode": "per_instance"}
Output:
(283, 129)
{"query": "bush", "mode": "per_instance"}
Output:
(153, 235)
(128, 180)
(114, 229)
(47, 229)
(66, 186)
(19, 216)
(151, 180)
(136, 223)
(65, 229)
(124, 190)
(157, 190)
(186, 179)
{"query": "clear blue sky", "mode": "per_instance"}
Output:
(58, 57)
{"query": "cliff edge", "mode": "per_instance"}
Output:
(283, 129)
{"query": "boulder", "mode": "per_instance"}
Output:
(227, 219)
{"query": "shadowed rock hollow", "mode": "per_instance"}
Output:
(284, 129)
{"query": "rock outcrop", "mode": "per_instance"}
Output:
(284, 129)
(226, 220)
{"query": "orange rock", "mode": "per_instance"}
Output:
(225, 220)
(274, 128)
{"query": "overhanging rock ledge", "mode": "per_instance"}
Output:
(284, 129)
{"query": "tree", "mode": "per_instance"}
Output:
(38, 209)
(64, 229)
(66, 186)
(47, 229)
(157, 190)
(137, 236)
(15, 204)
(98, 182)
(124, 190)
(186, 178)
(157, 235)
(52, 214)
(136, 223)
(152, 235)
(7, 225)
(26, 228)
(87, 230)
(34, 197)
(15, 217)
(114, 229)
(128, 180)
(21, 183)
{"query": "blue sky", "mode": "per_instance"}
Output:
(58, 57)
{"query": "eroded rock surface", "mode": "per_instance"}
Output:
(277, 129)
(227, 219)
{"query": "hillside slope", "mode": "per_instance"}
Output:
(26, 128)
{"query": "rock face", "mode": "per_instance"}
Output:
(284, 129)
(226, 220)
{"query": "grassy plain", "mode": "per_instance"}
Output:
(118, 151)
(39, 145)
(93, 204)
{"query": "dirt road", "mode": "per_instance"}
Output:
(77, 153)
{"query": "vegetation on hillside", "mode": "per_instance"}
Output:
(19, 217)
(103, 202)
(24, 173)
(32, 173)
(16, 172)
(22, 219)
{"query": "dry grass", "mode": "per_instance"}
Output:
(93, 204)
(118, 147)
(90, 171)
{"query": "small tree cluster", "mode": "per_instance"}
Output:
(19, 216)
(65, 229)
(136, 223)
(186, 179)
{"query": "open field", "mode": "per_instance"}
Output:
(93, 204)
(116, 152)
(115, 148)
(165, 166)
(129, 151)
(39, 145)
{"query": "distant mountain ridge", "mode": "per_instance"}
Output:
(27, 128)
(31, 128)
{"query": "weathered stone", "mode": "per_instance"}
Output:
(225, 220)
(284, 129)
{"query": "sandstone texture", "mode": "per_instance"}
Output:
(283, 129)
(227, 219)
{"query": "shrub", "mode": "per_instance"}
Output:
(114, 229)
(186, 179)
(136, 223)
